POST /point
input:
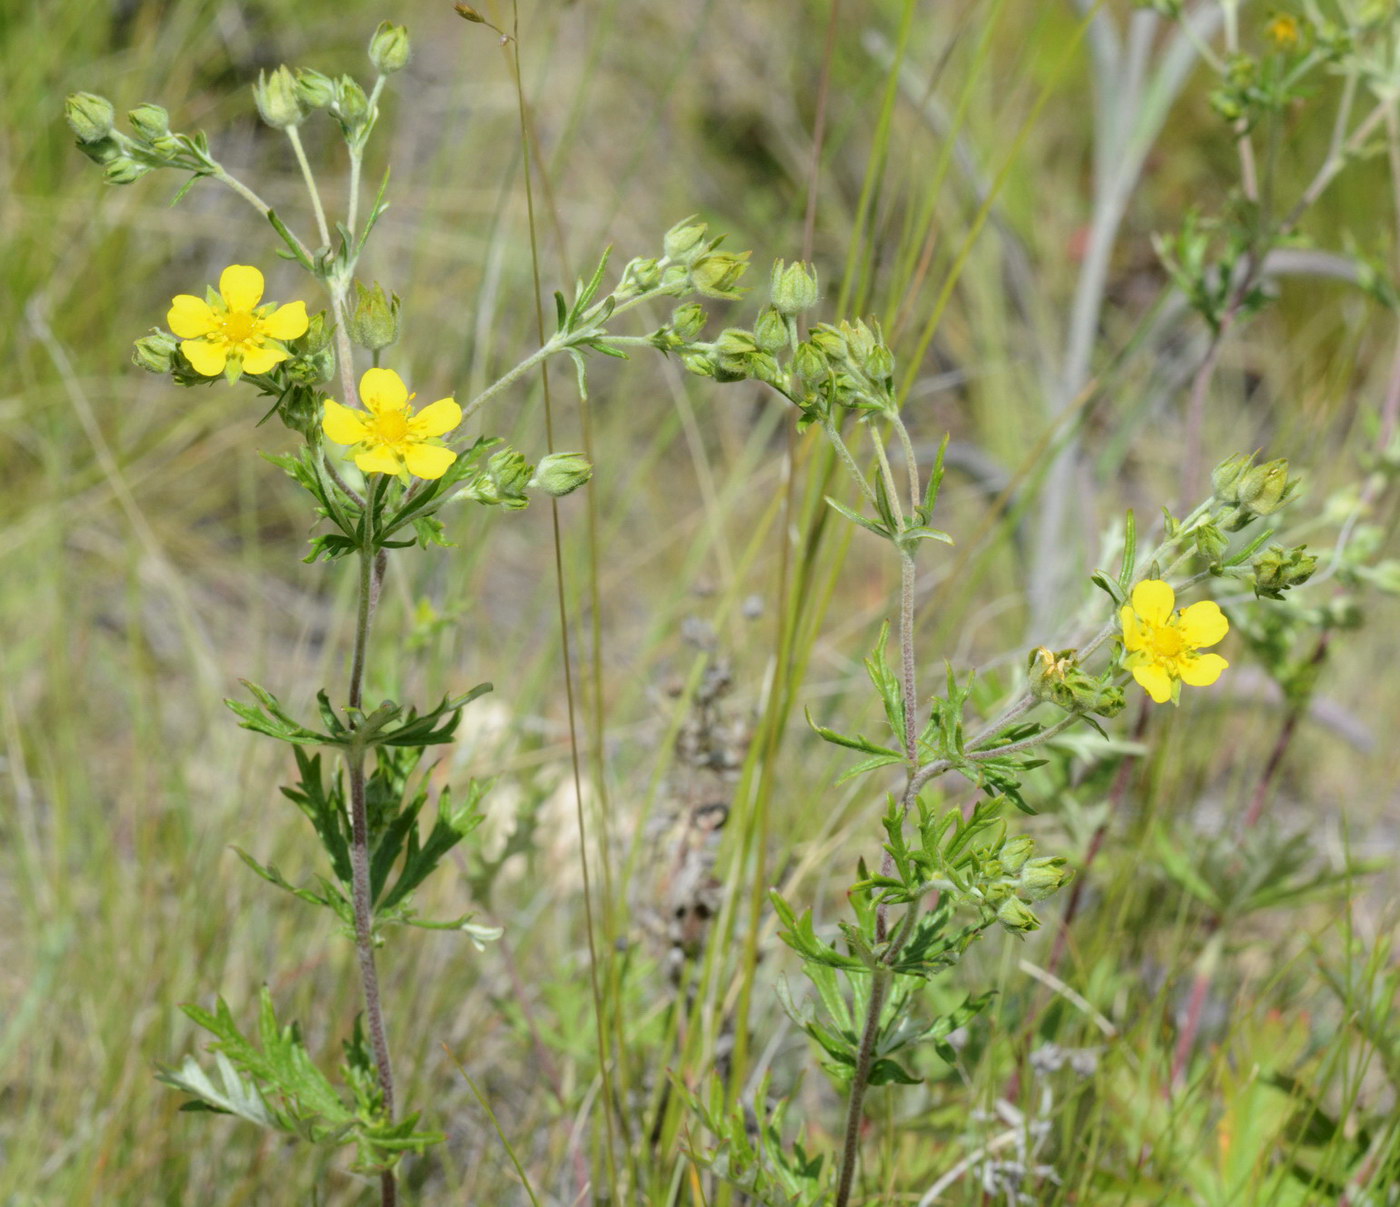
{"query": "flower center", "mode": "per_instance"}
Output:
(390, 427)
(239, 327)
(1167, 642)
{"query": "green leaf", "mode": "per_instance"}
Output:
(857, 518)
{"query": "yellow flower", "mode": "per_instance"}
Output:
(231, 333)
(1161, 644)
(388, 437)
(1283, 31)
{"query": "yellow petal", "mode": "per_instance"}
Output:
(378, 461)
(190, 317)
(342, 424)
(437, 419)
(241, 286)
(428, 460)
(382, 390)
(286, 322)
(1153, 600)
(1155, 680)
(260, 360)
(206, 358)
(1203, 624)
(1201, 671)
(1133, 636)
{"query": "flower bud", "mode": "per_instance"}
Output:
(1277, 570)
(1015, 915)
(1266, 488)
(701, 363)
(809, 363)
(278, 100)
(717, 274)
(770, 329)
(1225, 477)
(688, 321)
(155, 352)
(1014, 853)
(149, 121)
(641, 274)
(317, 91)
(830, 342)
(1043, 876)
(793, 287)
(559, 474)
(104, 150)
(684, 240)
(122, 169)
(89, 116)
(388, 49)
(351, 107)
(374, 323)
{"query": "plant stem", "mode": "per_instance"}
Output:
(864, 1063)
(372, 566)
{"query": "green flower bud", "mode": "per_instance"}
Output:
(351, 107)
(641, 274)
(374, 323)
(150, 122)
(1043, 876)
(104, 150)
(793, 287)
(168, 146)
(1014, 853)
(1057, 678)
(122, 169)
(89, 116)
(278, 100)
(830, 342)
(1266, 488)
(688, 321)
(1277, 570)
(1226, 476)
(317, 91)
(502, 483)
(684, 240)
(1016, 916)
(314, 359)
(879, 365)
(155, 352)
(809, 363)
(770, 329)
(860, 340)
(1211, 543)
(388, 49)
(559, 474)
(699, 362)
(717, 274)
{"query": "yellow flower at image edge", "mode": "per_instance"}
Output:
(231, 333)
(1161, 644)
(388, 438)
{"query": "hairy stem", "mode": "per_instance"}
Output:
(865, 1061)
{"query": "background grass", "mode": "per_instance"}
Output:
(151, 560)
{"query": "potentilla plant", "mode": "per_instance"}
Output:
(946, 876)
(381, 472)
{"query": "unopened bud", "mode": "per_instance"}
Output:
(1015, 915)
(122, 169)
(688, 321)
(388, 49)
(278, 100)
(317, 91)
(351, 106)
(374, 323)
(809, 363)
(1043, 876)
(103, 150)
(1014, 853)
(1266, 488)
(717, 275)
(1225, 477)
(559, 474)
(150, 122)
(1277, 570)
(89, 116)
(794, 287)
(155, 352)
(684, 240)
(770, 329)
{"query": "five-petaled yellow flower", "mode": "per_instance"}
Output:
(1161, 644)
(231, 333)
(388, 437)
(1284, 32)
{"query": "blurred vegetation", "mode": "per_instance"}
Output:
(152, 559)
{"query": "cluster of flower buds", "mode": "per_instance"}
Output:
(1277, 570)
(1248, 491)
(124, 158)
(1019, 881)
(507, 478)
(1057, 678)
